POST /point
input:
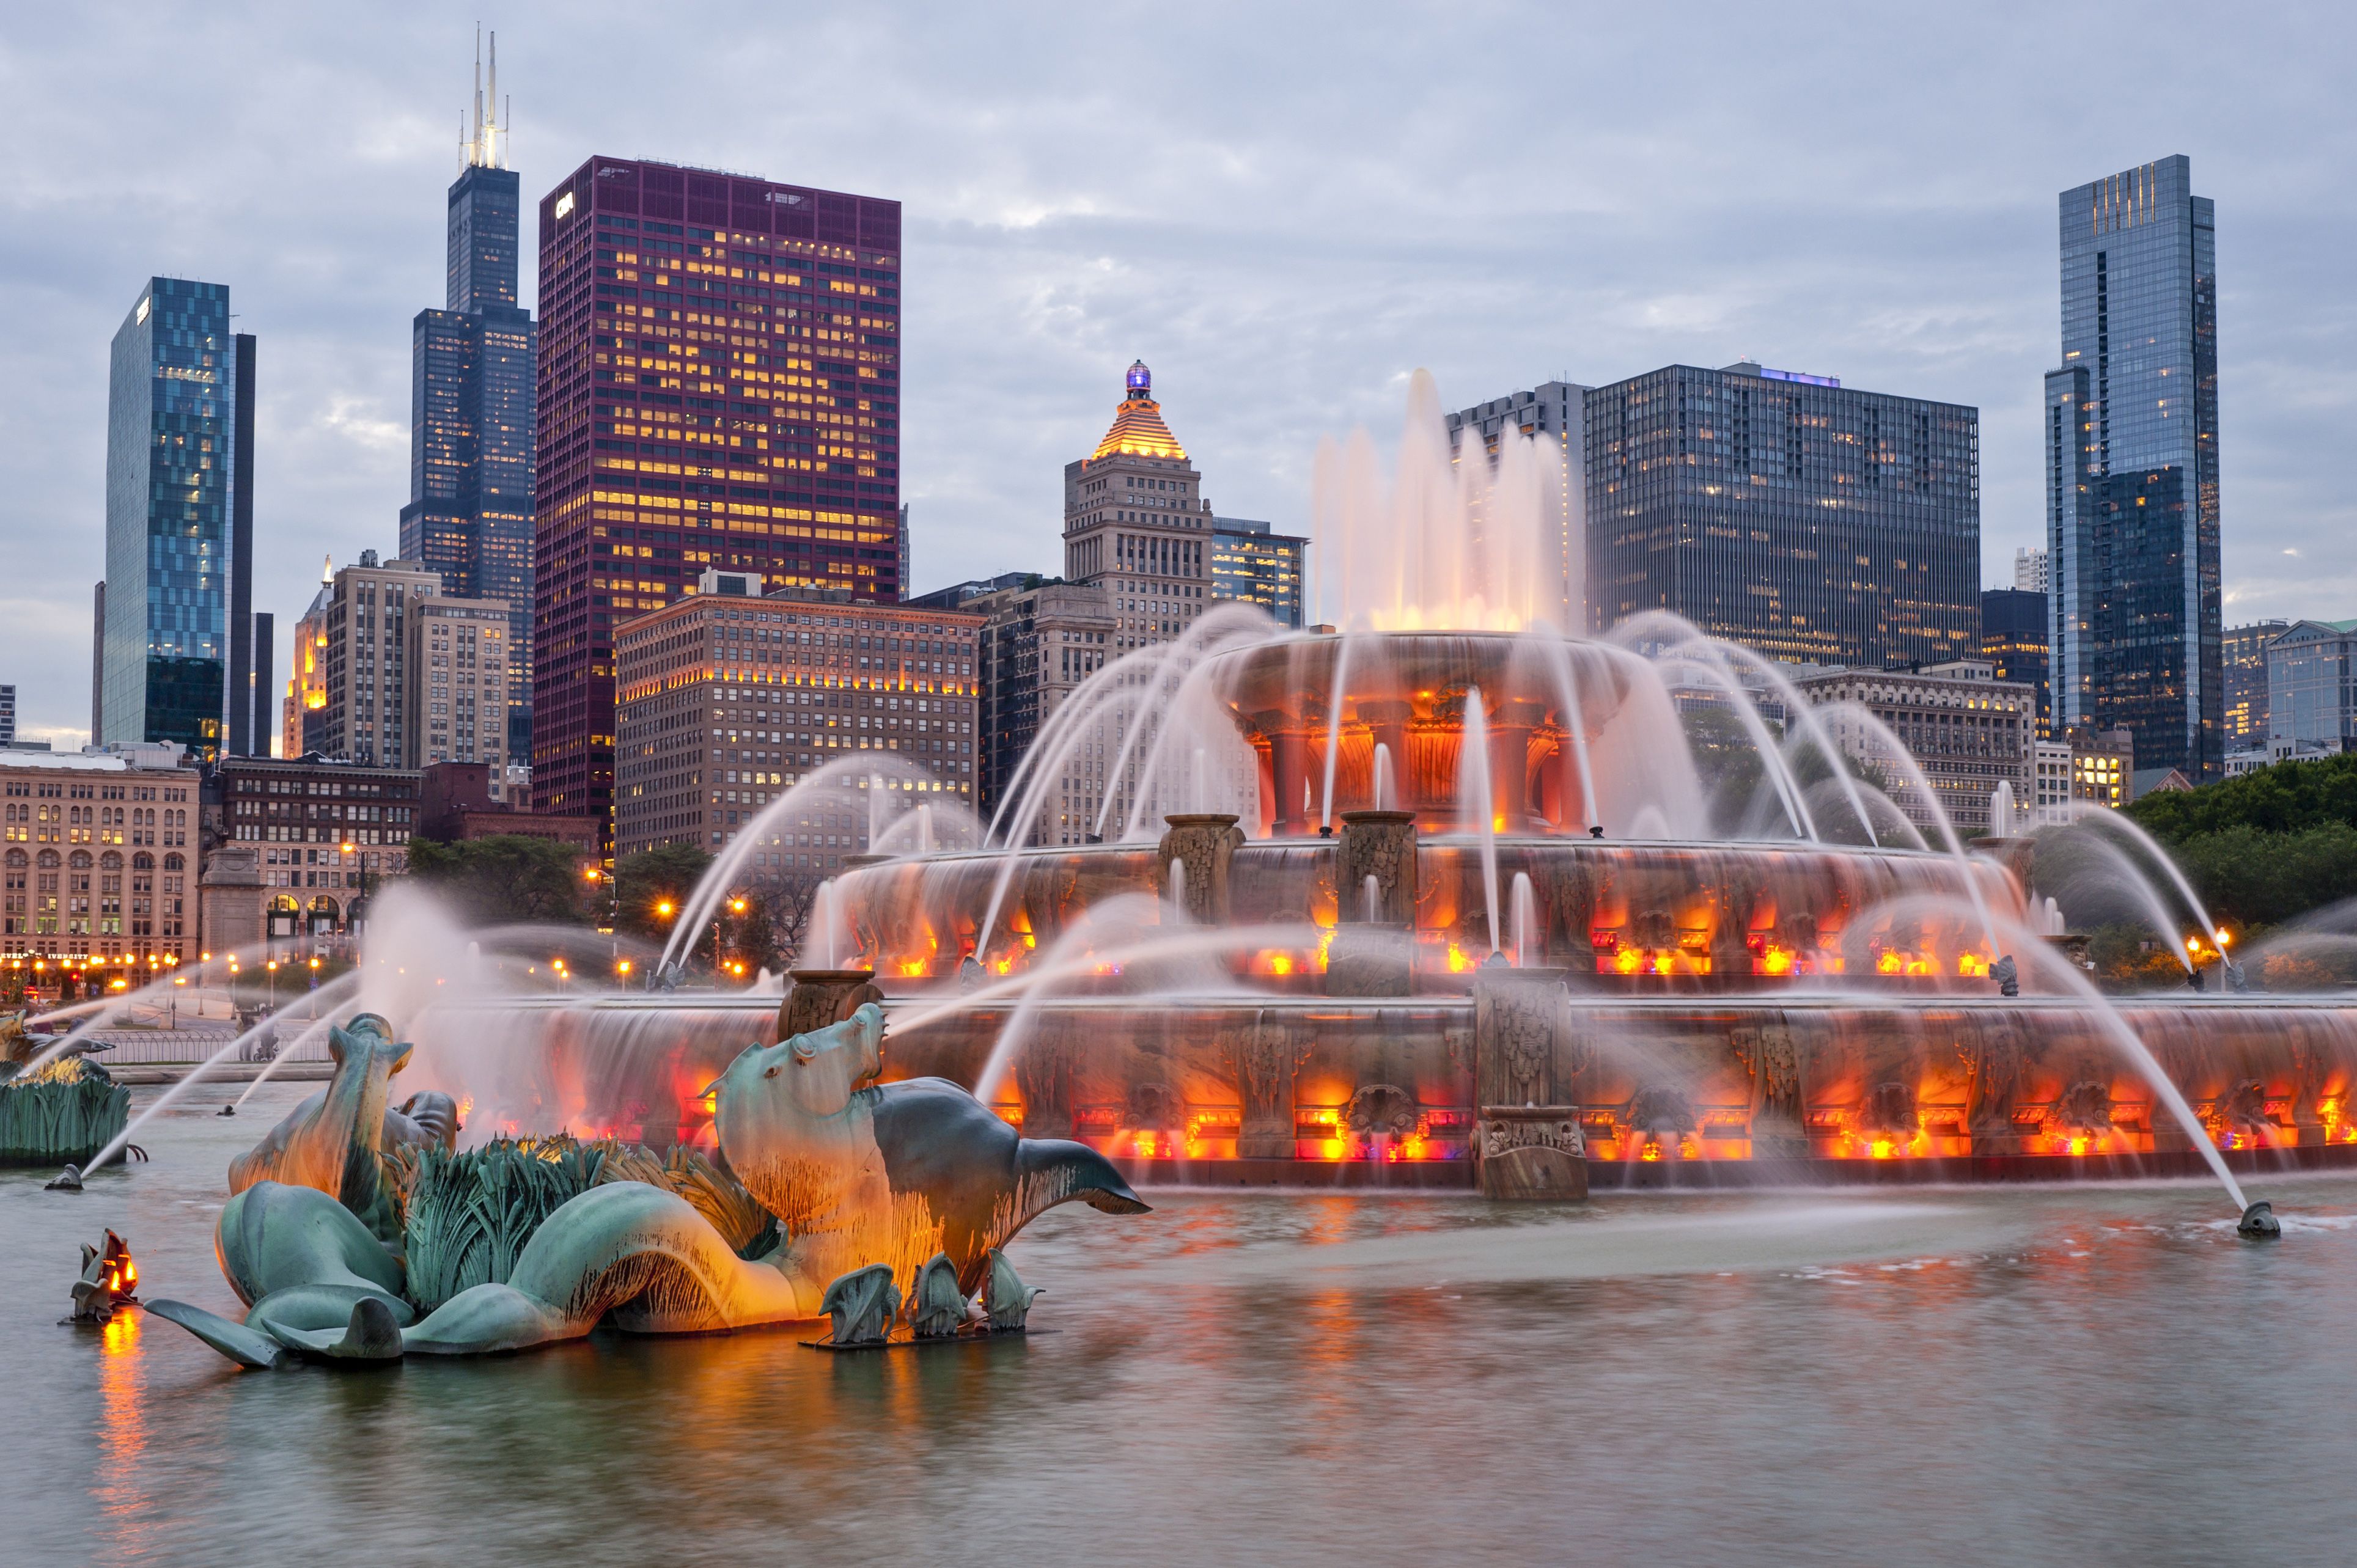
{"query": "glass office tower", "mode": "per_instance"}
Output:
(1812, 521)
(2132, 469)
(719, 387)
(473, 373)
(179, 554)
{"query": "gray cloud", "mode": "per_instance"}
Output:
(1282, 209)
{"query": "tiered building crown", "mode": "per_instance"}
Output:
(1138, 428)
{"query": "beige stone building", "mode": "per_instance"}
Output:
(389, 672)
(725, 699)
(1136, 522)
(294, 847)
(100, 859)
(1967, 731)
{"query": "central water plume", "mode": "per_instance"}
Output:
(1478, 800)
(1449, 540)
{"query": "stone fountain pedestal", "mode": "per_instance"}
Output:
(1527, 1143)
(1373, 950)
(1201, 844)
(1381, 845)
(821, 997)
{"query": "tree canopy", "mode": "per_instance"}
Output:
(506, 878)
(651, 878)
(2289, 797)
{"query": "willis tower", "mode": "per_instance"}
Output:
(472, 374)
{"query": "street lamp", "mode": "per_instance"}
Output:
(274, 985)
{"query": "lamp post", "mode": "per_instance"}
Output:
(273, 966)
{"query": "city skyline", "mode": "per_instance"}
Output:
(1284, 300)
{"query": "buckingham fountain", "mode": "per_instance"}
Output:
(1443, 900)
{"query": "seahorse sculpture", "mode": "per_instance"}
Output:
(333, 1141)
(900, 1171)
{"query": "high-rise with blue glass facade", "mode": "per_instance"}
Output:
(1813, 521)
(473, 372)
(176, 659)
(2132, 469)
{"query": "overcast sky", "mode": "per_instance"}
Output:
(1283, 209)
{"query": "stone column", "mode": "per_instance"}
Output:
(823, 997)
(1779, 1120)
(230, 899)
(2017, 856)
(1510, 762)
(1526, 1138)
(1044, 1071)
(1289, 772)
(1202, 843)
(1264, 1055)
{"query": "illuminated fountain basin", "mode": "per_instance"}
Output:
(1674, 1089)
(1319, 989)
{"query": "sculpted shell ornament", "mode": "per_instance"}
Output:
(857, 1174)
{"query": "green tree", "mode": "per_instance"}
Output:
(2252, 879)
(746, 934)
(2289, 797)
(505, 879)
(651, 888)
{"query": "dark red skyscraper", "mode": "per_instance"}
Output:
(719, 387)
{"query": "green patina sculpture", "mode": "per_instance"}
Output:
(936, 1306)
(861, 1306)
(65, 1111)
(340, 1140)
(349, 1238)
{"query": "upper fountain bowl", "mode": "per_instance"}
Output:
(1392, 707)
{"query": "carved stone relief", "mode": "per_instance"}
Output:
(1263, 1057)
(1381, 845)
(1201, 844)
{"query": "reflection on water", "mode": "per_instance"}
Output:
(1965, 1376)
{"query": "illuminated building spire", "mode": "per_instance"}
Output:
(482, 147)
(1138, 428)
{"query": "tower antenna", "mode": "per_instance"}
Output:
(492, 131)
(475, 136)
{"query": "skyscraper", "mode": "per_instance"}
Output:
(719, 386)
(2029, 569)
(1252, 563)
(2013, 639)
(2132, 468)
(177, 642)
(472, 386)
(2242, 660)
(1136, 523)
(1814, 523)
